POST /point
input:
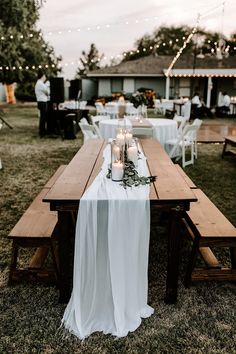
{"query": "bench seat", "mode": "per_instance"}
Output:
(229, 140)
(208, 227)
(37, 228)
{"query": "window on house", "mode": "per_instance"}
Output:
(116, 85)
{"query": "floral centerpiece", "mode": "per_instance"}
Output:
(139, 99)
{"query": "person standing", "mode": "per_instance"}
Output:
(42, 93)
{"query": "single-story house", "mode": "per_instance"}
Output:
(207, 75)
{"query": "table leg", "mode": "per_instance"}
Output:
(65, 230)
(173, 257)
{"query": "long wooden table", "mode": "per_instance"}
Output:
(169, 192)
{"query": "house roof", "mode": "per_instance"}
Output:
(153, 66)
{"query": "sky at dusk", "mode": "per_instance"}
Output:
(114, 26)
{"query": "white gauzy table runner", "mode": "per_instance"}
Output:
(110, 283)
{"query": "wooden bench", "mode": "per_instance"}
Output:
(36, 229)
(208, 228)
(188, 180)
(229, 140)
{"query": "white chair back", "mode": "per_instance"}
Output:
(82, 104)
(181, 122)
(167, 104)
(88, 131)
(99, 118)
(100, 109)
(158, 106)
(130, 110)
(197, 122)
(188, 139)
(187, 109)
(112, 109)
(142, 110)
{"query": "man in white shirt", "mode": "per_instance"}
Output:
(199, 109)
(196, 100)
(224, 108)
(226, 100)
(42, 93)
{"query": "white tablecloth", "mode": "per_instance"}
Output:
(111, 258)
(163, 129)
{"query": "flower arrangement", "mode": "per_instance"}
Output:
(139, 99)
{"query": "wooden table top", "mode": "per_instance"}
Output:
(169, 187)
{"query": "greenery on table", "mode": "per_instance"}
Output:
(202, 321)
(131, 177)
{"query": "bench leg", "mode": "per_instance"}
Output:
(191, 263)
(233, 257)
(224, 149)
(14, 255)
(55, 259)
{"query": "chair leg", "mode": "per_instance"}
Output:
(183, 155)
(195, 150)
(192, 153)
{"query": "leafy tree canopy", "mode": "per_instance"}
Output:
(22, 47)
(89, 61)
(168, 40)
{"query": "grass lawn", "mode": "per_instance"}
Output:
(202, 321)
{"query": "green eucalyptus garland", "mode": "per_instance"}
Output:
(131, 177)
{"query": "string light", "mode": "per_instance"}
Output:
(183, 47)
(91, 27)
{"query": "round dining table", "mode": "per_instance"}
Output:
(163, 129)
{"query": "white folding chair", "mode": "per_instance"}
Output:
(157, 106)
(88, 131)
(130, 110)
(167, 105)
(197, 122)
(99, 118)
(181, 122)
(112, 109)
(187, 109)
(187, 140)
(100, 109)
(142, 110)
(82, 104)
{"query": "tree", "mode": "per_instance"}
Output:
(168, 40)
(89, 61)
(22, 47)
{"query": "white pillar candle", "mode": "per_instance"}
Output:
(116, 152)
(128, 137)
(117, 171)
(132, 154)
(120, 139)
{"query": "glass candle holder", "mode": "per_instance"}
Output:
(120, 136)
(132, 152)
(128, 136)
(117, 164)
